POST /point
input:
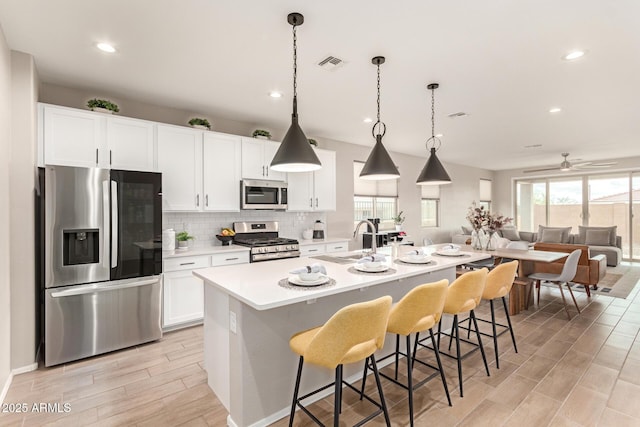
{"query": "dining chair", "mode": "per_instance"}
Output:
(566, 275)
(351, 335)
(418, 311)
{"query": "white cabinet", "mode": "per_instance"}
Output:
(130, 144)
(183, 293)
(256, 158)
(221, 172)
(71, 137)
(338, 247)
(180, 161)
(314, 191)
(311, 250)
(200, 171)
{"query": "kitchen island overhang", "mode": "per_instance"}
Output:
(249, 319)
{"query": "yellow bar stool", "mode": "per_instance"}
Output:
(351, 335)
(418, 311)
(498, 285)
(464, 295)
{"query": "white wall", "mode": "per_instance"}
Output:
(21, 210)
(5, 152)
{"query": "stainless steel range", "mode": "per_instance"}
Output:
(262, 238)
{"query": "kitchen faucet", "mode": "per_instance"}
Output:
(373, 234)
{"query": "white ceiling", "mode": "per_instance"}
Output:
(497, 60)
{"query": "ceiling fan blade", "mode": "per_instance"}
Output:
(594, 166)
(541, 170)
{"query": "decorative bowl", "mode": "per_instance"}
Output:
(416, 257)
(308, 277)
(372, 264)
(224, 239)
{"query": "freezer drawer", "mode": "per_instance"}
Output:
(85, 320)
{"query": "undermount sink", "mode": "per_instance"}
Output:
(342, 259)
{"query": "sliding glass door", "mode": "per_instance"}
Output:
(565, 202)
(531, 205)
(608, 197)
(635, 218)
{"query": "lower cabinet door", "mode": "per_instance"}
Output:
(183, 298)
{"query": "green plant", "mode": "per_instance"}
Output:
(201, 122)
(183, 236)
(102, 103)
(313, 142)
(398, 219)
(261, 132)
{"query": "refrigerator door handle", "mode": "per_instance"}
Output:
(105, 223)
(114, 224)
(90, 289)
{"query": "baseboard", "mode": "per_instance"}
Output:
(24, 369)
(5, 389)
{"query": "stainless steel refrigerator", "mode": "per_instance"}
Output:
(101, 234)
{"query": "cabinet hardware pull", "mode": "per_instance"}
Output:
(206, 200)
(197, 200)
(313, 250)
(110, 157)
(311, 202)
(267, 169)
(96, 156)
(187, 263)
(262, 170)
(316, 202)
(231, 259)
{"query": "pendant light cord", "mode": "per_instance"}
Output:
(382, 128)
(295, 72)
(433, 140)
(378, 93)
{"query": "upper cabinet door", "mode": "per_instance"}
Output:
(221, 172)
(325, 182)
(253, 159)
(130, 144)
(256, 159)
(180, 162)
(72, 137)
(300, 191)
(270, 148)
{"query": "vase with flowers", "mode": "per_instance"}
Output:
(494, 223)
(478, 217)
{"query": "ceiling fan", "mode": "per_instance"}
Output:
(566, 165)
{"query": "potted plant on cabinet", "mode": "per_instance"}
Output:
(313, 142)
(398, 220)
(199, 123)
(261, 133)
(102, 106)
(183, 238)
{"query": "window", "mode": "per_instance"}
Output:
(429, 206)
(485, 194)
(374, 199)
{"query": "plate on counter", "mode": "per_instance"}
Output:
(424, 260)
(379, 269)
(296, 280)
(450, 253)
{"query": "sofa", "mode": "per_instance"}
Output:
(599, 240)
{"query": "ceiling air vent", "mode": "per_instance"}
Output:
(330, 63)
(458, 114)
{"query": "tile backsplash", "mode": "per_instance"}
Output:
(205, 225)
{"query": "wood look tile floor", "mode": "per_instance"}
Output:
(582, 372)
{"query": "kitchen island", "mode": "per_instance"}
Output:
(249, 318)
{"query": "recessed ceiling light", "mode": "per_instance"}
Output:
(368, 120)
(574, 55)
(275, 94)
(106, 47)
(555, 110)
(439, 135)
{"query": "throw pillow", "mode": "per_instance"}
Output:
(597, 237)
(582, 234)
(552, 236)
(565, 233)
(510, 233)
(466, 230)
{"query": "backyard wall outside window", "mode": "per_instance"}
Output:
(374, 199)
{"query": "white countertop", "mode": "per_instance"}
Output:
(303, 242)
(256, 284)
(207, 250)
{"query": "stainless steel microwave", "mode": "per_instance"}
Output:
(257, 194)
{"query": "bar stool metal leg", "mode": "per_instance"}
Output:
(484, 356)
(374, 367)
(513, 337)
(495, 333)
(337, 397)
(409, 378)
(295, 391)
(437, 352)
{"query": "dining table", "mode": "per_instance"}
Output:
(522, 289)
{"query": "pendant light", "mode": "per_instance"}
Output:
(379, 164)
(433, 172)
(295, 153)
